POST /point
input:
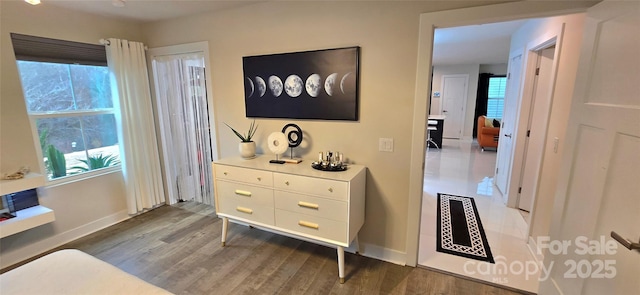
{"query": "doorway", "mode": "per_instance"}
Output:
(183, 121)
(461, 168)
(431, 21)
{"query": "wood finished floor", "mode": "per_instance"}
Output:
(178, 248)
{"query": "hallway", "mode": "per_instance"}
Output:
(461, 168)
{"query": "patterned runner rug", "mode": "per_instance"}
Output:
(460, 231)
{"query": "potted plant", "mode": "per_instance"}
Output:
(247, 146)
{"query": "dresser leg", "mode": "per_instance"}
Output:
(225, 224)
(341, 264)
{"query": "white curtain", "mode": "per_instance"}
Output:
(181, 100)
(136, 130)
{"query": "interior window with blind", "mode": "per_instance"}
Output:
(67, 90)
(495, 102)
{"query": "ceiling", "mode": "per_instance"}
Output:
(482, 44)
(148, 10)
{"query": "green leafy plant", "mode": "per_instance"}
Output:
(44, 136)
(97, 162)
(247, 136)
(56, 163)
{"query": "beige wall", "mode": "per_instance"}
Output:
(472, 93)
(559, 113)
(79, 206)
(388, 36)
(387, 33)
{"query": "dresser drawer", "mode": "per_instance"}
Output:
(312, 225)
(246, 175)
(314, 206)
(244, 193)
(258, 207)
(313, 186)
(262, 215)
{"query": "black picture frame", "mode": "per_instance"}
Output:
(320, 84)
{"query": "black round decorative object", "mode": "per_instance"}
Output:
(324, 166)
(294, 136)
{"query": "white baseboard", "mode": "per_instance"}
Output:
(381, 253)
(12, 257)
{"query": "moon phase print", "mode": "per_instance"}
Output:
(320, 84)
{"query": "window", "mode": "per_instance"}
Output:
(495, 103)
(70, 104)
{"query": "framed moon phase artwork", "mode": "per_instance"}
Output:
(320, 84)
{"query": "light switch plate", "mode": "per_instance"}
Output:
(385, 144)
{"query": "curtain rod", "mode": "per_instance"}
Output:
(107, 42)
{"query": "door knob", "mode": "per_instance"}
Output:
(445, 111)
(625, 242)
(508, 135)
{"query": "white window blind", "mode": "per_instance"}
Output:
(495, 103)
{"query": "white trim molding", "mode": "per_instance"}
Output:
(34, 249)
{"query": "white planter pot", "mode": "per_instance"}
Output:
(248, 149)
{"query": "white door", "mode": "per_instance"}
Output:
(454, 100)
(599, 184)
(536, 132)
(505, 153)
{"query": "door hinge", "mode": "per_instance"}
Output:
(528, 133)
(537, 71)
(508, 76)
(496, 170)
(520, 190)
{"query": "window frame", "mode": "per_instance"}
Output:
(47, 50)
(33, 119)
(503, 97)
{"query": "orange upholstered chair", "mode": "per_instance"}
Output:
(487, 136)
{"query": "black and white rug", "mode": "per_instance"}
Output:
(460, 231)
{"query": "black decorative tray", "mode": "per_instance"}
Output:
(327, 167)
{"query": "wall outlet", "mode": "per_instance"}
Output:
(385, 144)
(556, 141)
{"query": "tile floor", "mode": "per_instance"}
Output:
(461, 168)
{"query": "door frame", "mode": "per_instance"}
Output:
(451, 18)
(550, 38)
(464, 99)
(530, 99)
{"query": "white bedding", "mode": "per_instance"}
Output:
(72, 272)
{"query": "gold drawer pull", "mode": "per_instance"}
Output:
(330, 189)
(308, 224)
(244, 210)
(308, 205)
(243, 193)
(225, 173)
(286, 182)
(259, 178)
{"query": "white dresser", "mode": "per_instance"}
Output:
(293, 199)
